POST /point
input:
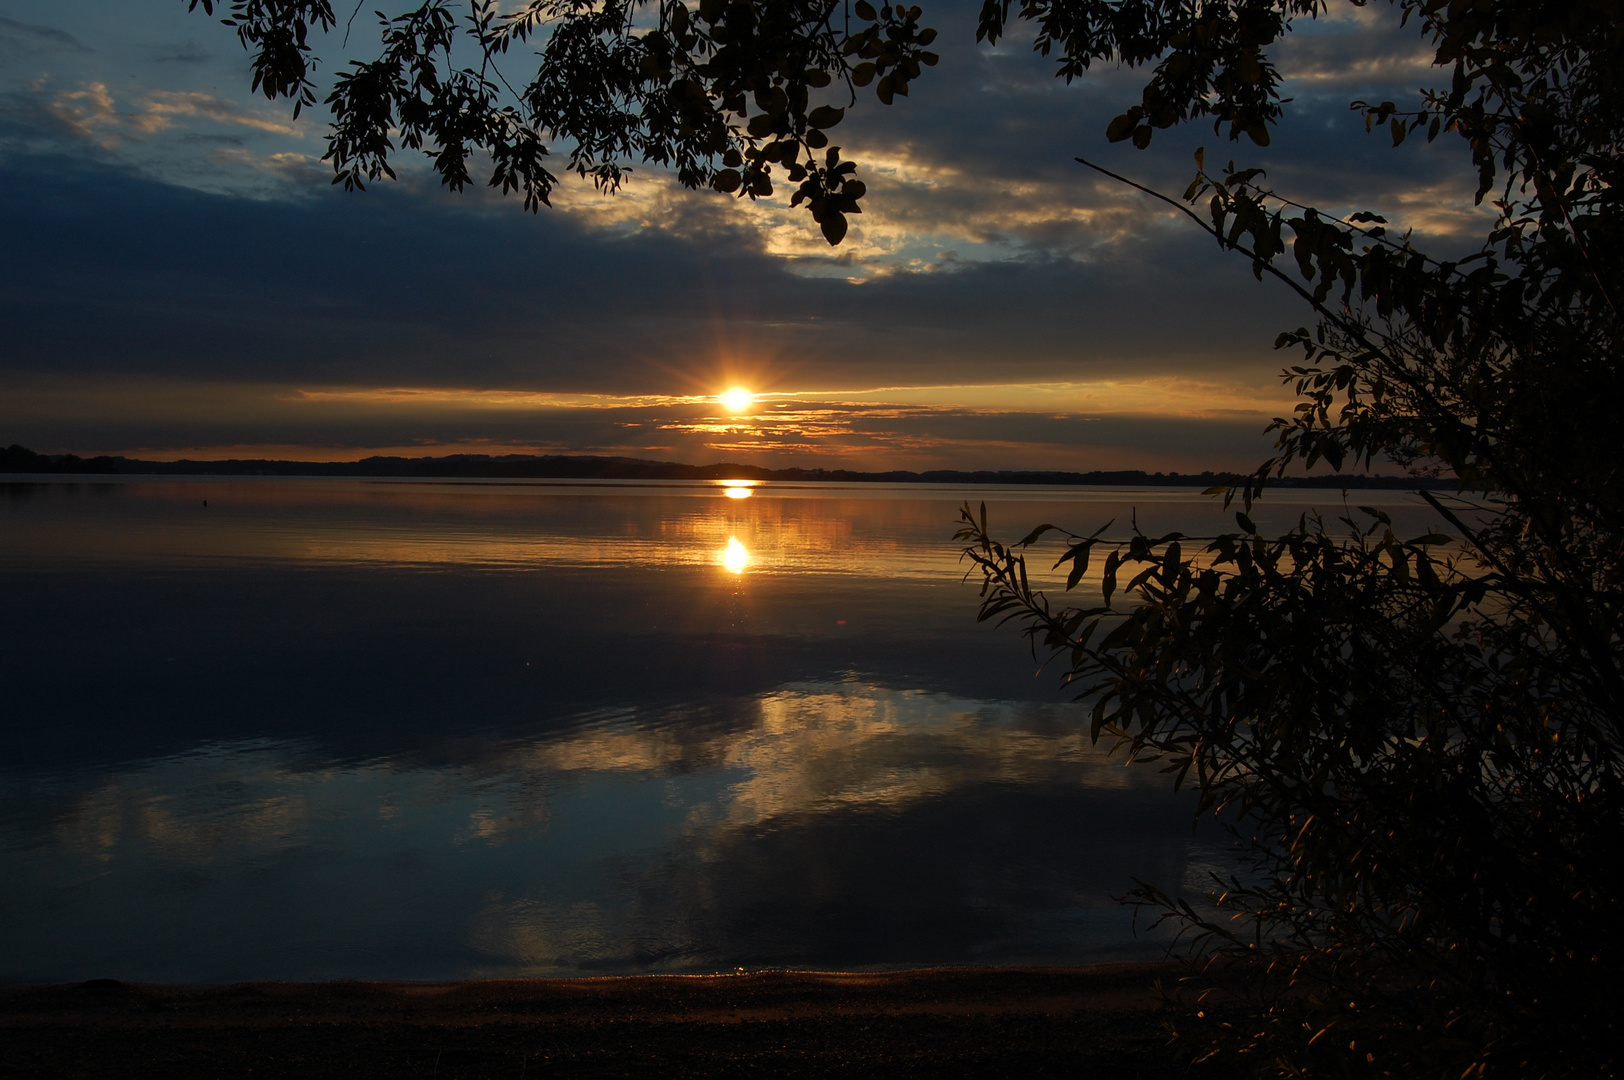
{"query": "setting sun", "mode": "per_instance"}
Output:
(737, 399)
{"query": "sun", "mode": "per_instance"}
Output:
(737, 399)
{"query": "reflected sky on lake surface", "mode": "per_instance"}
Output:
(321, 729)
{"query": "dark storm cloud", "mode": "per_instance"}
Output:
(118, 274)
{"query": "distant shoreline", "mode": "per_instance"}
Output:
(19, 460)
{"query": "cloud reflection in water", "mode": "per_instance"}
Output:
(635, 840)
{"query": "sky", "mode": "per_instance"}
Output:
(178, 278)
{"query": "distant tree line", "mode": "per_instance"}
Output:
(17, 459)
(20, 459)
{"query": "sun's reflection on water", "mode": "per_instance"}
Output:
(868, 530)
(735, 556)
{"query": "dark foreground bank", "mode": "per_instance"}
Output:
(1099, 1022)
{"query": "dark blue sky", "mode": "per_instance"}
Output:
(180, 278)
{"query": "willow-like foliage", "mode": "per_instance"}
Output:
(1424, 780)
(1415, 740)
(722, 94)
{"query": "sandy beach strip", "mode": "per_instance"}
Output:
(1100, 1022)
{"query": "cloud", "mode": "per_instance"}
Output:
(92, 114)
(1352, 51)
(86, 113)
(183, 52)
(327, 288)
(172, 420)
(20, 39)
(161, 109)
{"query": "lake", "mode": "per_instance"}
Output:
(314, 729)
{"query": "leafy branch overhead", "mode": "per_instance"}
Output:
(728, 94)
(732, 96)
(737, 95)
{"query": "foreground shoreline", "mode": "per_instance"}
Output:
(1100, 1021)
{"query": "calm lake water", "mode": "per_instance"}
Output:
(315, 729)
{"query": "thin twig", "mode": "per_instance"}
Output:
(351, 23)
